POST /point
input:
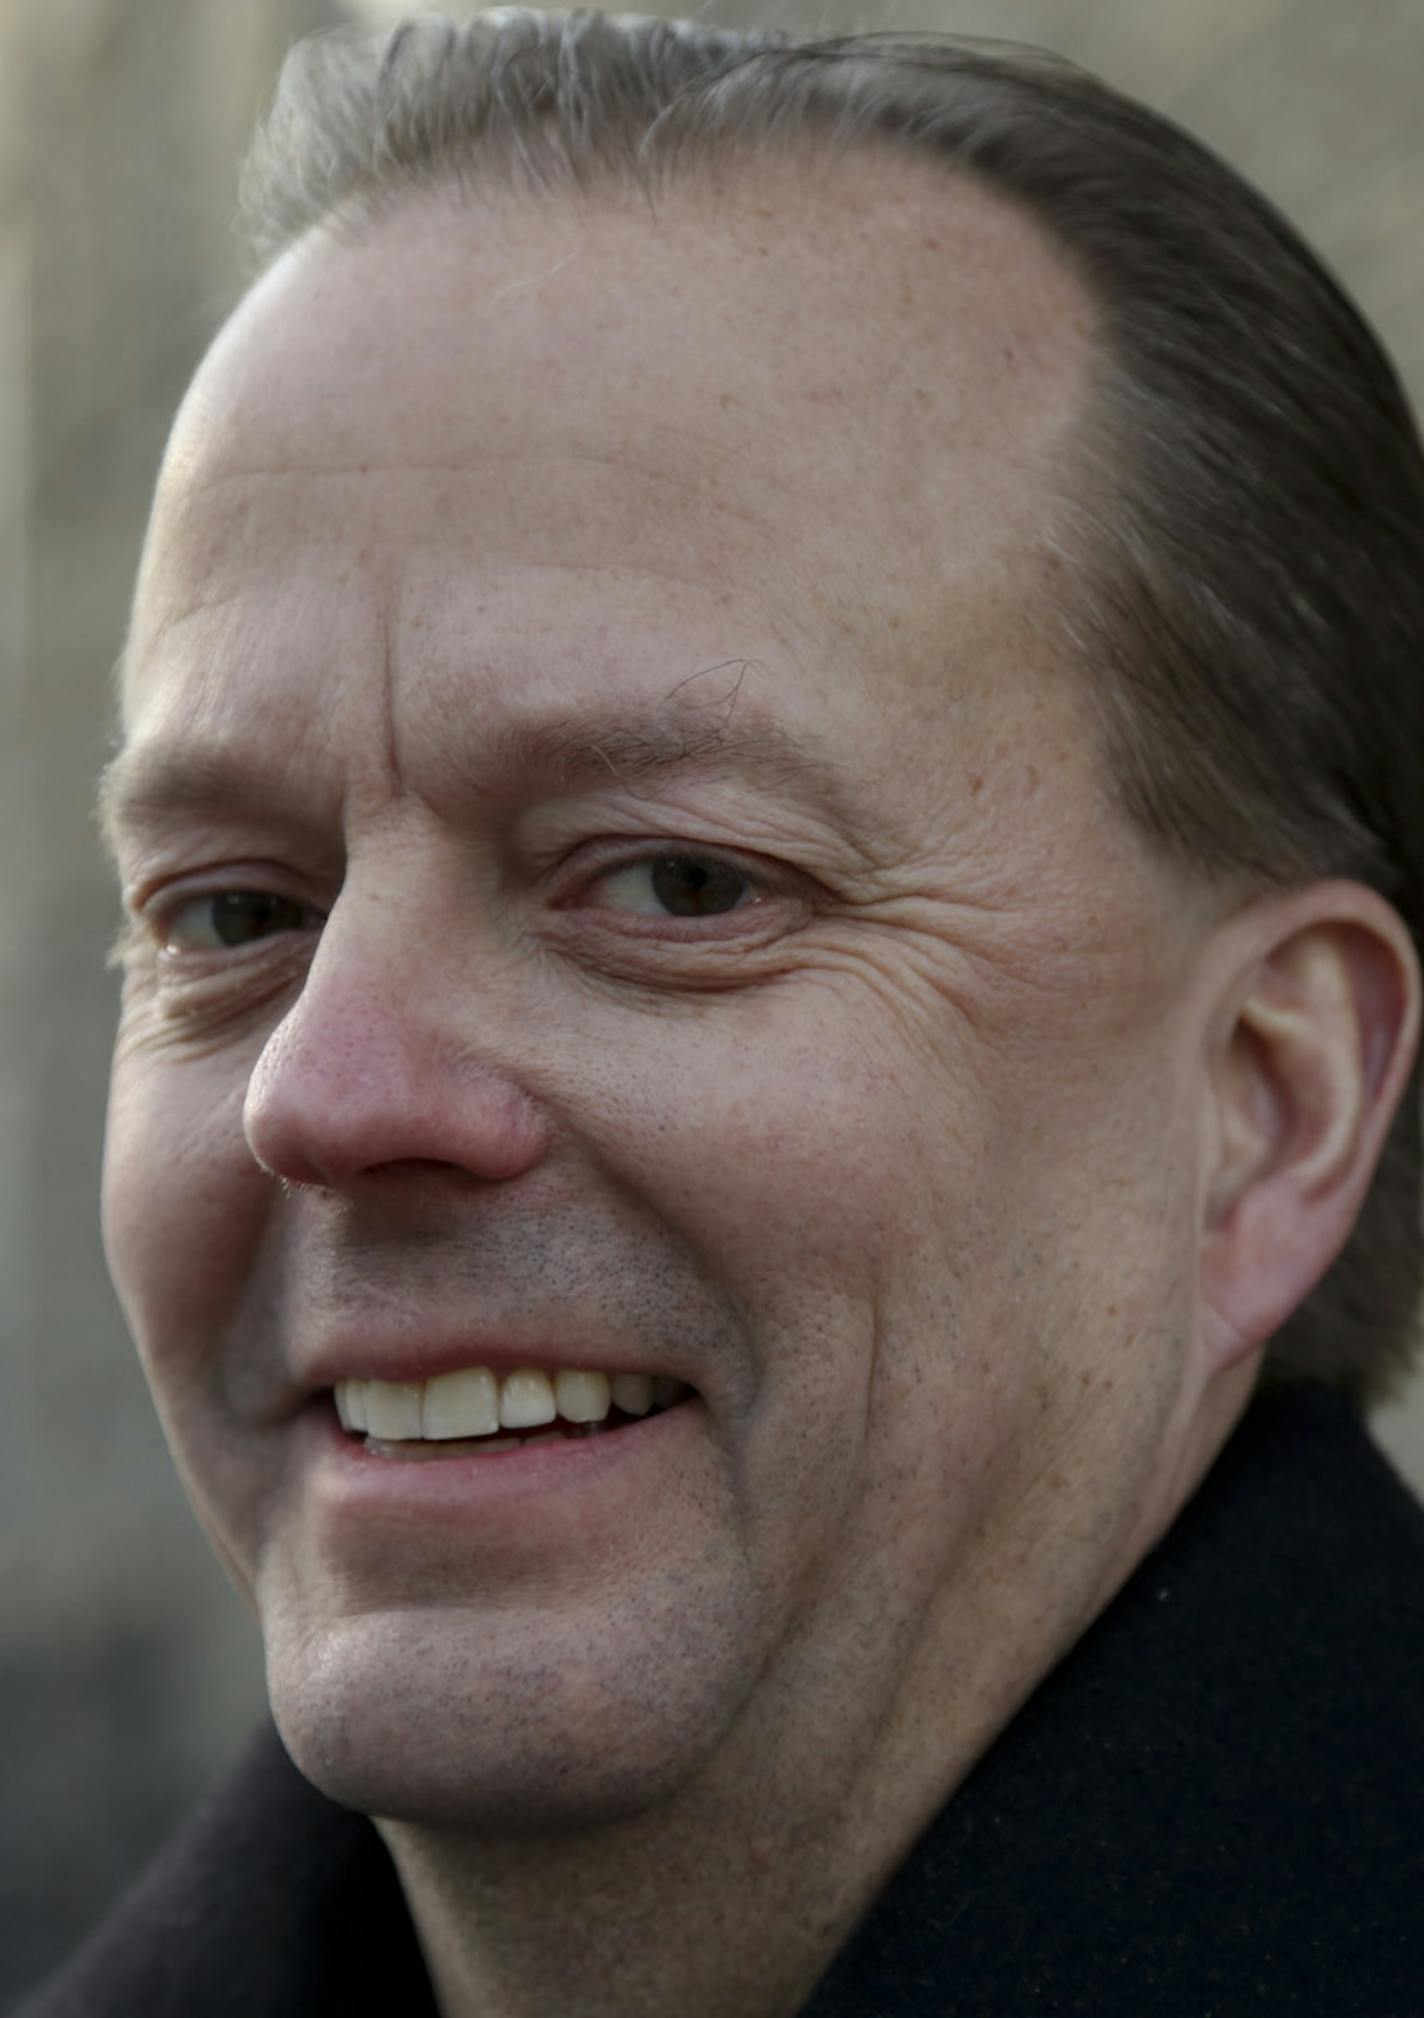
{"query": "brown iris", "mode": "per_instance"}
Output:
(689, 887)
(242, 915)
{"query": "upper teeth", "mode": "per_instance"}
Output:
(476, 1402)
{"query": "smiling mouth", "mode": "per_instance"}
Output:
(476, 1412)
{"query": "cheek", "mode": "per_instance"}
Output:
(932, 1256)
(825, 1181)
(849, 1200)
(796, 1161)
(183, 1202)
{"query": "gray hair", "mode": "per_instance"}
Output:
(1249, 611)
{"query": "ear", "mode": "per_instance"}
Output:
(1311, 1047)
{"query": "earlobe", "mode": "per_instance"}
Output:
(1310, 1055)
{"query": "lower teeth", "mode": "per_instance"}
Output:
(423, 1450)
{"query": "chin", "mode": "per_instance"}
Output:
(412, 1717)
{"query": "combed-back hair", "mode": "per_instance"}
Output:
(1246, 522)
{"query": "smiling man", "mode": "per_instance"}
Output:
(765, 1127)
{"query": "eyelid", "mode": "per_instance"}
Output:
(598, 857)
(153, 913)
(765, 879)
(209, 898)
(157, 913)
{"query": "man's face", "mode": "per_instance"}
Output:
(687, 938)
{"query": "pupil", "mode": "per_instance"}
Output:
(242, 915)
(692, 889)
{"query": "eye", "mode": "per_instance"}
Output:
(679, 886)
(229, 918)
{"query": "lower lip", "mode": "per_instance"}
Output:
(345, 1473)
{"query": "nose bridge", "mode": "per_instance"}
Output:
(396, 1050)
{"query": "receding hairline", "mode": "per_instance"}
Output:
(991, 224)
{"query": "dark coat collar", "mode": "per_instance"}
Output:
(1214, 1806)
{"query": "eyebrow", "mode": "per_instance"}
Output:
(678, 737)
(150, 785)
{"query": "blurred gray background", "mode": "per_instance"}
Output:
(129, 1674)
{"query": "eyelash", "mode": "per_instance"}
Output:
(758, 883)
(160, 921)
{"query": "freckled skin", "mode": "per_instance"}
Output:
(898, 1165)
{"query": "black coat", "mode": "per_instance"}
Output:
(1213, 1807)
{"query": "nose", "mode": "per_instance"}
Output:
(373, 1069)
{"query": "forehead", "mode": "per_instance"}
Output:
(933, 302)
(811, 414)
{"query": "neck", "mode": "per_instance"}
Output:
(729, 1902)
(606, 1923)
(734, 1895)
